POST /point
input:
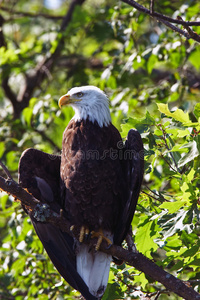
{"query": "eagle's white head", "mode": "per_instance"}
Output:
(88, 102)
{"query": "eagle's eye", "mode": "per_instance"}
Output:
(79, 94)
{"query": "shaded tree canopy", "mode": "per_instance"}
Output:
(145, 56)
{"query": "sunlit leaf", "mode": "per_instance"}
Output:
(178, 115)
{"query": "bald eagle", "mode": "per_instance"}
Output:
(96, 182)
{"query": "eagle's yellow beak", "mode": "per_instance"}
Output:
(64, 100)
(67, 99)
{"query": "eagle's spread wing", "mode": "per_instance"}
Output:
(39, 173)
(133, 160)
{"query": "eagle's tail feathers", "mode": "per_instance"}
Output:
(99, 273)
(94, 269)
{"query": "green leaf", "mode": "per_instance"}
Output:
(151, 63)
(194, 58)
(178, 115)
(12, 160)
(193, 152)
(174, 242)
(183, 133)
(113, 292)
(145, 236)
(141, 125)
(190, 175)
(27, 115)
(172, 207)
(3, 200)
(197, 111)
(2, 148)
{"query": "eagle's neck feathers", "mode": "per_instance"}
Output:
(98, 112)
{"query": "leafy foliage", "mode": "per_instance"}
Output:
(152, 76)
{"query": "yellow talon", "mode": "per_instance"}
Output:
(72, 228)
(84, 231)
(100, 237)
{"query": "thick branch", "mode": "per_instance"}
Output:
(167, 20)
(41, 211)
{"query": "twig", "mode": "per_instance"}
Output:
(158, 15)
(152, 7)
(159, 293)
(166, 20)
(151, 196)
(157, 196)
(7, 172)
(129, 240)
(167, 147)
(174, 28)
(28, 14)
(168, 163)
(68, 16)
(193, 34)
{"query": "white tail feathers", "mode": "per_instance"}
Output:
(94, 269)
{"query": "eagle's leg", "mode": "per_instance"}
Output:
(100, 237)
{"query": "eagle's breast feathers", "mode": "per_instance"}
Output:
(91, 172)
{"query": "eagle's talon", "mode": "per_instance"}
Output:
(71, 228)
(84, 233)
(108, 247)
(100, 237)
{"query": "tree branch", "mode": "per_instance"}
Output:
(167, 20)
(7, 90)
(43, 212)
(152, 7)
(28, 14)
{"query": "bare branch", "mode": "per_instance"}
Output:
(158, 15)
(129, 240)
(42, 212)
(174, 28)
(152, 7)
(192, 34)
(167, 20)
(68, 16)
(7, 172)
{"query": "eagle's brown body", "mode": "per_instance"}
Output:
(91, 172)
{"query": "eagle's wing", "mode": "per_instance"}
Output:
(39, 173)
(133, 164)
